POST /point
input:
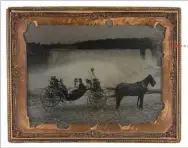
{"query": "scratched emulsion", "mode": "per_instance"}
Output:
(111, 68)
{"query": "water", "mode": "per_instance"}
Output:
(111, 67)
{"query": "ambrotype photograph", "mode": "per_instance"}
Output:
(85, 74)
(94, 74)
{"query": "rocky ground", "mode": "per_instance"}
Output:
(80, 111)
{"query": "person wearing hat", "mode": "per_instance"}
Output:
(92, 73)
(81, 84)
(54, 82)
(76, 82)
(88, 83)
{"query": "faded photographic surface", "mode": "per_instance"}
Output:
(103, 74)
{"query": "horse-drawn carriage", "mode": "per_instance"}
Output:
(57, 92)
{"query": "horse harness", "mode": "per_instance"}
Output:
(142, 89)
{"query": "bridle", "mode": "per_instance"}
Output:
(152, 81)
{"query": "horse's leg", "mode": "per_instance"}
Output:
(141, 101)
(138, 101)
(118, 100)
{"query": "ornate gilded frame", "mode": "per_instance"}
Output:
(167, 127)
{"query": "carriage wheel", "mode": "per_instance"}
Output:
(62, 101)
(97, 99)
(63, 98)
(49, 100)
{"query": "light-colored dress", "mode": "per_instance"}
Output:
(70, 90)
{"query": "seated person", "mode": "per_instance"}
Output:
(88, 83)
(81, 85)
(54, 82)
(76, 83)
(51, 81)
(96, 84)
(75, 86)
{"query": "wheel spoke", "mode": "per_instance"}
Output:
(97, 99)
(49, 100)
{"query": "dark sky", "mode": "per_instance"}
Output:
(48, 34)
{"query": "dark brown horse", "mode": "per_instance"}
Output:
(133, 89)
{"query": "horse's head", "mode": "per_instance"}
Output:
(151, 80)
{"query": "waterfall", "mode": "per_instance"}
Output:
(150, 59)
(111, 66)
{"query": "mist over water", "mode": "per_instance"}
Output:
(111, 67)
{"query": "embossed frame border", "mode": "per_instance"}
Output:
(167, 128)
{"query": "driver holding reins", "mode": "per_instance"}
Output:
(95, 81)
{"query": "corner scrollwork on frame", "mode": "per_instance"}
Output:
(118, 16)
